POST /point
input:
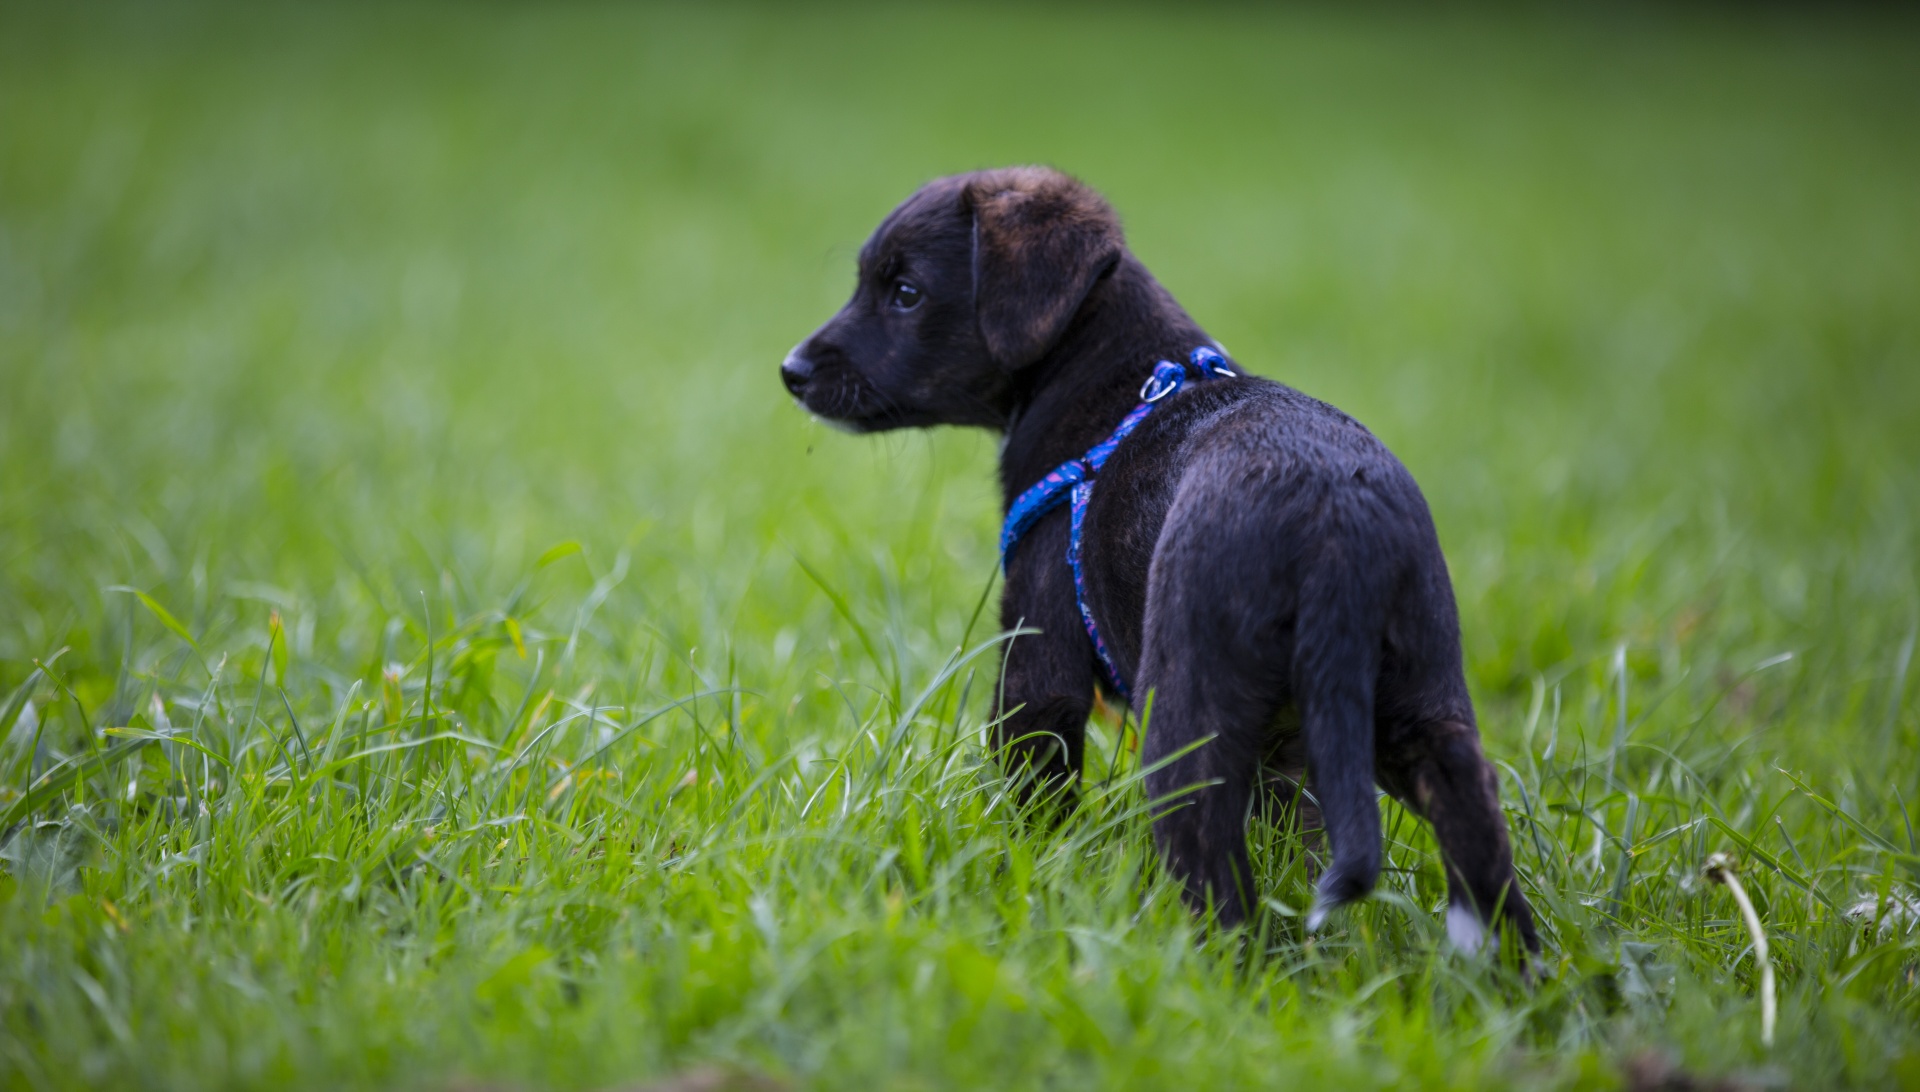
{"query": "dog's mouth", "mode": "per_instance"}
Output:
(850, 426)
(850, 404)
(841, 405)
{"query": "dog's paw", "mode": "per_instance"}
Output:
(1465, 929)
(1322, 909)
(1317, 916)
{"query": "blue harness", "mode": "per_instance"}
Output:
(1074, 478)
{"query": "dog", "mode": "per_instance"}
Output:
(1249, 563)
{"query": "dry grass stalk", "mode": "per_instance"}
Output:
(1721, 869)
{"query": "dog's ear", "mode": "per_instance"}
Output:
(1041, 240)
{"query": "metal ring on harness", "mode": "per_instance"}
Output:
(1207, 360)
(1157, 388)
(1167, 377)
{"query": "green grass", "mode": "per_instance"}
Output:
(477, 716)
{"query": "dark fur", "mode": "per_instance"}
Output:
(1259, 563)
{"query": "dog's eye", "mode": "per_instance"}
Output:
(905, 296)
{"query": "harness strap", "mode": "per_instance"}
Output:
(1073, 480)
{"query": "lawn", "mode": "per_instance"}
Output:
(434, 652)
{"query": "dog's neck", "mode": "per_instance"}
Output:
(1078, 392)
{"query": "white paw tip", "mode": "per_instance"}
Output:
(1465, 929)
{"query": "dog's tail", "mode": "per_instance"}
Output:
(1336, 661)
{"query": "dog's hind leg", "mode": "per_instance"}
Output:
(1437, 769)
(1201, 753)
(1211, 679)
(1430, 759)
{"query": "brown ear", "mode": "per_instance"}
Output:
(1040, 242)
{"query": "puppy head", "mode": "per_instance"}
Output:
(969, 281)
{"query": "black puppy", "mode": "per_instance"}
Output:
(1256, 564)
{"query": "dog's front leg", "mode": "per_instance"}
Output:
(1046, 687)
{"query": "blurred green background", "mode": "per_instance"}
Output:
(450, 285)
(352, 313)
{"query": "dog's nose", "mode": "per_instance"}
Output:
(795, 370)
